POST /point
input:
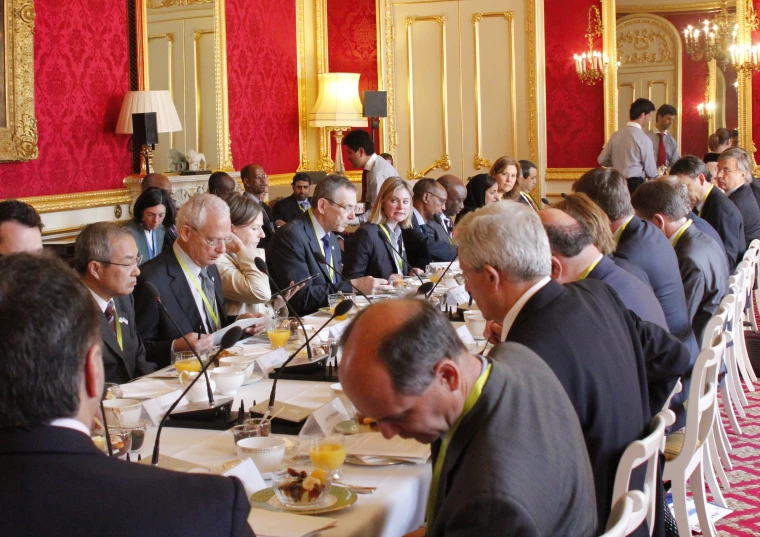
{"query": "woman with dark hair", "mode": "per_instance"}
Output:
(153, 211)
(481, 190)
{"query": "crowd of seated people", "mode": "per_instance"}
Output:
(628, 278)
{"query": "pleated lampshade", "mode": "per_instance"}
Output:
(138, 102)
(338, 103)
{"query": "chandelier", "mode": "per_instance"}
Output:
(715, 39)
(590, 66)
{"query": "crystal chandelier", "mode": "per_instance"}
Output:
(714, 40)
(590, 66)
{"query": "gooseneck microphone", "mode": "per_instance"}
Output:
(425, 288)
(322, 261)
(443, 274)
(262, 266)
(229, 338)
(153, 290)
(400, 254)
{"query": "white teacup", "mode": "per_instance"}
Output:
(475, 323)
(120, 411)
(247, 363)
(198, 392)
(228, 379)
(267, 452)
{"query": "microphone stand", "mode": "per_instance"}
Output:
(443, 274)
(400, 254)
(322, 261)
(231, 337)
(262, 266)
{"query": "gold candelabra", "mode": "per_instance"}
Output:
(590, 66)
(714, 40)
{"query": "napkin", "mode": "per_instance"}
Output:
(272, 524)
(374, 445)
(145, 389)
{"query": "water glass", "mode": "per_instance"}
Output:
(259, 425)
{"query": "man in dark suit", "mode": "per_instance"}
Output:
(574, 257)
(288, 209)
(617, 369)
(291, 256)
(188, 282)
(427, 241)
(55, 481)
(640, 243)
(106, 258)
(456, 193)
(700, 260)
(497, 425)
(734, 175)
(256, 185)
(713, 206)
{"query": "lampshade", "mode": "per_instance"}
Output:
(160, 102)
(338, 103)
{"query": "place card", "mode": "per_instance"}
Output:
(247, 472)
(457, 295)
(156, 408)
(337, 329)
(271, 360)
(330, 415)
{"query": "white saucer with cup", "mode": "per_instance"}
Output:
(199, 391)
(119, 411)
(475, 323)
(228, 379)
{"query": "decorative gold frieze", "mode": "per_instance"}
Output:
(176, 3)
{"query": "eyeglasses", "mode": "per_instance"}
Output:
(344, 208)
(133, 264)
(260, 176)
(214, 243)
(442, 200)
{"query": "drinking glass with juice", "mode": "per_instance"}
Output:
(279, 332)
(334, 300)
(328, 453)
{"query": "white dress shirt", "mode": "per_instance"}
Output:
(70, 423)
(378, 170)
(515, 310)
(417, 216)
(195, 270)
(630, 151)
(150, 242)
(102, 304)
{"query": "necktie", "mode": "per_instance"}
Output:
(662, 156)
(304, 205)
(446, 223)
(152, 245)
(110, 317)
(326, 247)
(208, 289)
(364, 185)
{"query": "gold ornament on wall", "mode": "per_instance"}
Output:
(590, 66)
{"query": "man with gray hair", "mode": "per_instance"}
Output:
(617, 370)
(292, 253)
(702, 264)
(188, 282)
(734, 176)
(106, 258)
(497, 425)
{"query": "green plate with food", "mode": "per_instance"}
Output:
(354, 427)
(338, 498)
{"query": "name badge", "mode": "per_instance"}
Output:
(331, 414)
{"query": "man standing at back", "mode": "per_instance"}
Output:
(375, 170)
(629, 150)
(55, 481)
(256, 185)
(665, 146)
(734, 176)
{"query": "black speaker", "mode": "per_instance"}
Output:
(375, 104)
(144, 129)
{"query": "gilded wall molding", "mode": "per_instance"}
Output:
(648, 46)
(175, 3)
(389, 36)
(533, 97)
(610, 76)
(565, 174)
(698, 7)
(223, 141)
(303, 118)
(18, 124)
(79, 200)
(324, 161)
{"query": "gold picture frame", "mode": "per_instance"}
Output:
(18, 124)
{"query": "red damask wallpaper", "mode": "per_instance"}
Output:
(81, 71)
(574, 111)
(263, 83)
(352, 45)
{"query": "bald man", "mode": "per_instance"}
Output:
(574, 257)
(456, 193)
(157, 180)
(506, 421)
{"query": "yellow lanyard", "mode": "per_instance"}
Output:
(398, 259)
(620, 230)
(211, 311)
(117, 326)
(530, 200)
(703, 200)
(472, 398)
(321, 248)
(589, 269)
(681, 232)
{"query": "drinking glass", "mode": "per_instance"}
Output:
(186, 361)
(334, 300)
(328, 453)
(279, 331)
(261, 427)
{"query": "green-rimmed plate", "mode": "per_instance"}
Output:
(352, 427)
(266, 499)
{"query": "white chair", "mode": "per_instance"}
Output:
(737, 288)
(751, 256)
(733, 383)
(689, 461)
(626, 509)
(749, 273)
(639, 452)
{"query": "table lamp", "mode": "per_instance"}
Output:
(145, 102)
(338, 108)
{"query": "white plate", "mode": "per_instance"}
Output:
(337, 388)
(253, 379)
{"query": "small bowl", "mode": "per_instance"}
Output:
(228, 379)
(138, 430)
(121, 441)
(247, 363)
(120, 411)
(267, 452)
(289, 484)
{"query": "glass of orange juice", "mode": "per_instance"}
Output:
(279, 331)
(186, 361)
(334, 300)
(328, 453)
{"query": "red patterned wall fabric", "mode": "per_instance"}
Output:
(352, 46)
(81, 71)
(262, 77)
(574, 111)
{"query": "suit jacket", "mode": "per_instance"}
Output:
(647, 247)
(522, 431)
(635, 294)
(155, 328)
(617, 369)
(523, 198)
(631, 268)
(727, 220)
(747, 205)
(705, 276)
(367, 254)
(705, 227)
(428, 245)
(121, 366)
(754, 185)
(138, 232)
(291, 258)
(56, 482)
(287, 209)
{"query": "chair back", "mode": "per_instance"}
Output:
(623, 512)
(717, 322)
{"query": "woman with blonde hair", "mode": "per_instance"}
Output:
(377, 248)
(505, 171)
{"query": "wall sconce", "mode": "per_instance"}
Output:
(745, 58)
(590, 66)
(706, 110)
